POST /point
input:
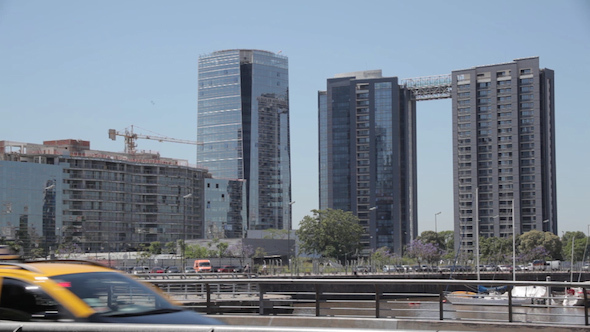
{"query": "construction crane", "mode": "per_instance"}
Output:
(131, 137)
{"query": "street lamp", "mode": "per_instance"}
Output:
(513, 245)
(183, 246)
(289, 226)
(435, 223)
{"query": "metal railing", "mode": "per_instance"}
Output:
(377, 298)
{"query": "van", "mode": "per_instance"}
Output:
(202, 265)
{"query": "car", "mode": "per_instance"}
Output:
(140, 269)
(172, 269)
(189, 269)
(227, 269)
(84, 291)
(157, 269)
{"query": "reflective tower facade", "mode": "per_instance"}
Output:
(367, 155)
(243, 124)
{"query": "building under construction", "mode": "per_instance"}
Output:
(61, 194)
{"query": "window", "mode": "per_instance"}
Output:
(21, 301)
(526, 81)
(526, 71)
(484, 100)
(502, 83)
(526, 105)
(506, 98)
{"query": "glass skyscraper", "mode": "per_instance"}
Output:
(243, 125)
(367, 155)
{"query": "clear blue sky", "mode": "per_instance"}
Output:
(74, 69)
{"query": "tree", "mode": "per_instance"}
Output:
(532, 240)
(423, 251)
(579, 241)
(331, 233)
(196, 251)
(432, 237)
(495, 249)
(171, 247)
(449, 241)
(155, 248)
(241, 251)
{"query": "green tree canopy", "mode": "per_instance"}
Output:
(532, 240)
(155, 248)
(196, 251)
(579, 241)
(331, 233)
(494, 249)
(433, 237)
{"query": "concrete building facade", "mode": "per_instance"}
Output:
(83, 200)
(503, 151)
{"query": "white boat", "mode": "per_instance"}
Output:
(499, 296)
(573, 296)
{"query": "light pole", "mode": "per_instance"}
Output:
(289, 225)
(513, 245)
(435, 222)
(183, 246)
(371, 237)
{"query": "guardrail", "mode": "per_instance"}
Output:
(377, 298)
(96, 327)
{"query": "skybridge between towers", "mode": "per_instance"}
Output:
(429, 87)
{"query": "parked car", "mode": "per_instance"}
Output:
(361, 269)
(83, 291)
(157, 269)
(227, 269)
(505, 268)
(189, 269)
(140, 269)
(172, 269)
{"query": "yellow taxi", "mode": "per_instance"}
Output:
(84, 291)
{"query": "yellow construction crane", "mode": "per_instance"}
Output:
(131, 137)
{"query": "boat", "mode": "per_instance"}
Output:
(573, 296)
(499, 296)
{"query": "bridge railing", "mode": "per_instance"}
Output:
(377, 298)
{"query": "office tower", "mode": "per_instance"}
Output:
(62, 193)
(243, 124)
(367, 155)
(225, 208)
(503, 151)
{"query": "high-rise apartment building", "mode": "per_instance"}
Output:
(367, 155)
(63, 194)
(243, 124)
(503, 151)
